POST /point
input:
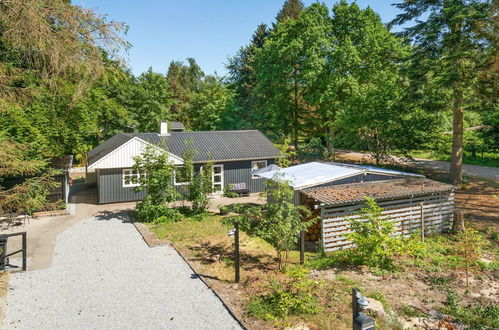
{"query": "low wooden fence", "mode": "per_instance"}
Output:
(430, 214)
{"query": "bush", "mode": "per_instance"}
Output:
(285, 299)
(156, 177)
(372, 236)
(147, 211)
(228, 193)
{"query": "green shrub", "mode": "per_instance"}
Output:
(147, 211)
(228, 193)
(297, 271)
(372, 236)
(286, 299)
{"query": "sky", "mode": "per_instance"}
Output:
(208, 30)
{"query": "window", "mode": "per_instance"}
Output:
(131, 177)
(181, 177)
(218, 178)
(256, 165)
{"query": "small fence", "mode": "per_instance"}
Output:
(427, 214)
(4, 257)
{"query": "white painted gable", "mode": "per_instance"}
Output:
(122, 157)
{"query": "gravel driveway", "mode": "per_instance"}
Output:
(104, 276)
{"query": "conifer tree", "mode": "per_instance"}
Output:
(454, 40)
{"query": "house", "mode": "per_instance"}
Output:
(234, 155)
(335, 193)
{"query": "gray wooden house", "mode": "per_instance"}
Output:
(235, 155)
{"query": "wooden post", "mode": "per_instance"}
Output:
(237, 256)
(422, 222)
(25, 251)
(302, 247)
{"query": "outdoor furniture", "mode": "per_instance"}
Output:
(7, 221)
(13, 219)
(239, 188)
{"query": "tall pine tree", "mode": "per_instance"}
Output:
(450, 44)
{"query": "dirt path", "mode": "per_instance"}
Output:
(491, 173)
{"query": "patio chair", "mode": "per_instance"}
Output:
(7, 221)
(239, 188)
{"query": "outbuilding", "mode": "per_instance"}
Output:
(335, 192)
(413, 204)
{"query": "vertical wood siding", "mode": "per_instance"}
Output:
(405, 213)
(240, 171)
(111, 188)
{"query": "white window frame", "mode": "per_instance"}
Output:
(129, 172)
(221, 174)
(254, 167)
(175, 183)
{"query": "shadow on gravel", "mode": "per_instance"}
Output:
(123, 216)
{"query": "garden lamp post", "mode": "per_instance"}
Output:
(235, 232)
(360, 321)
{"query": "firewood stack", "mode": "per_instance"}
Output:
(314, 233)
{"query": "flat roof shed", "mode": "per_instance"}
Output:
(313, 174)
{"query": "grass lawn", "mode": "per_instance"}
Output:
(318, 294)
(207, 243)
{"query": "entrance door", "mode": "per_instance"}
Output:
(218, 178)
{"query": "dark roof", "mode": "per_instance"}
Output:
(379, 190)
(176, 125)
(209, 145)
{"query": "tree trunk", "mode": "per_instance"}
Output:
(456, 162)
(295, 113)
(330, 142)
(458, 224)
(330, 136)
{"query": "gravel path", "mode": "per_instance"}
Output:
(104, 276)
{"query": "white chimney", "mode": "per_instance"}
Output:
(163, 128)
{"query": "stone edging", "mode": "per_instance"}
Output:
(152, 241)
(50, 213)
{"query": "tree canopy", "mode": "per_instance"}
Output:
(317, 77)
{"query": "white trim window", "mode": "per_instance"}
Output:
(256, 165)
(217, 178)
(180, 179)
(131, 177)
